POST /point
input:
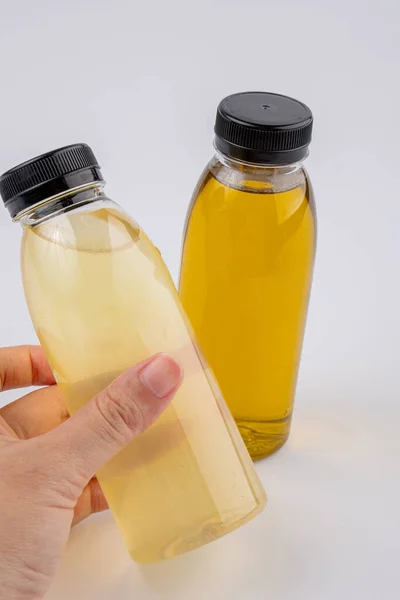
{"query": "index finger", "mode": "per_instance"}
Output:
(23, 366)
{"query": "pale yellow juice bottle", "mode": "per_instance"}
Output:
(101, 299)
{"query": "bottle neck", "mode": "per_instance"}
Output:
(61, 203)
(261, 179)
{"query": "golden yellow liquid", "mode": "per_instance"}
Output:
(101, 300)
(245, 280)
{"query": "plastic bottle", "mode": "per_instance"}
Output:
(101, 299)
(248, 259)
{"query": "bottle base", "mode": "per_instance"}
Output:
(200, 536)
(263, 438)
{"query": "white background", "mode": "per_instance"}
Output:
(140, 83)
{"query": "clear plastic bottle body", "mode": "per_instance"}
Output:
(246, 273)
(101, 299)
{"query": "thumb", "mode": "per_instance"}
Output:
(108, 422)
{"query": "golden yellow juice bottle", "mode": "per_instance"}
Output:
(101, 299)
(248, 258)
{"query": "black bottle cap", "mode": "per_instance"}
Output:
(48, 175)
(262, 128)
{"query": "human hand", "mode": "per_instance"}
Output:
(48, 461)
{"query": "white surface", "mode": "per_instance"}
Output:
(126, 77)
(329, 530)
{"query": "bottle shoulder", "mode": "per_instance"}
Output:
(100, 226)
(243, 181)
(252, 197)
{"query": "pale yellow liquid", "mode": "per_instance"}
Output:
(245, 280)
(101, 300)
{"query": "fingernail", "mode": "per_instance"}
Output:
(162, 375)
